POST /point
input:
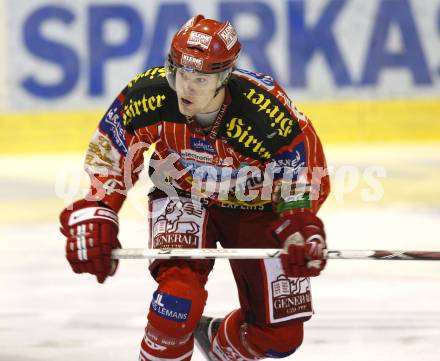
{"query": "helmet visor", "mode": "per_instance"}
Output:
(195, 78)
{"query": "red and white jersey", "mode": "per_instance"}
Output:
(259, 137)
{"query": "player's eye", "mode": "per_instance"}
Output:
(201, 80)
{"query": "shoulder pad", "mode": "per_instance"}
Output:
(268, 109)
(147, 96)
(150, 77)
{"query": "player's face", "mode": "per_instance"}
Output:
(196, 92)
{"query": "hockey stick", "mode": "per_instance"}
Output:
(261, 253)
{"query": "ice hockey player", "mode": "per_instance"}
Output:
(234, 163)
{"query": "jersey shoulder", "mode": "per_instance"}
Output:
(153, 77)
(264, 104)
(262, 119)
(148, 99)
(260, 80)
(266, 85)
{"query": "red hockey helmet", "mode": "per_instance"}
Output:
(205, 45)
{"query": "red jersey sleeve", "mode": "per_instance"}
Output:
(301, 174)
(114, 156)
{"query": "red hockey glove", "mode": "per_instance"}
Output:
(91, 232)
(303, 238)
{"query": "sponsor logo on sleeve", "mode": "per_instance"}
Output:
(228, 35)
(295, 159)
(111, 125)
(170, 307)
(99, 154)
(199, 39)
(191, 61)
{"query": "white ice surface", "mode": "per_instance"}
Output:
(365, 310)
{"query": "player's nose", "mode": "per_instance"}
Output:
(189, 87)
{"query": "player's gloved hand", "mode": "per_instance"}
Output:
(302, 236)
(91, 230)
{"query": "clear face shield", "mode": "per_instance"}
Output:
(195, 90)
(173, 70)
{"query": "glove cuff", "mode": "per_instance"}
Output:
(95, 213)
(83, 210)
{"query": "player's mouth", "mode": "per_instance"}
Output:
(185, 101)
